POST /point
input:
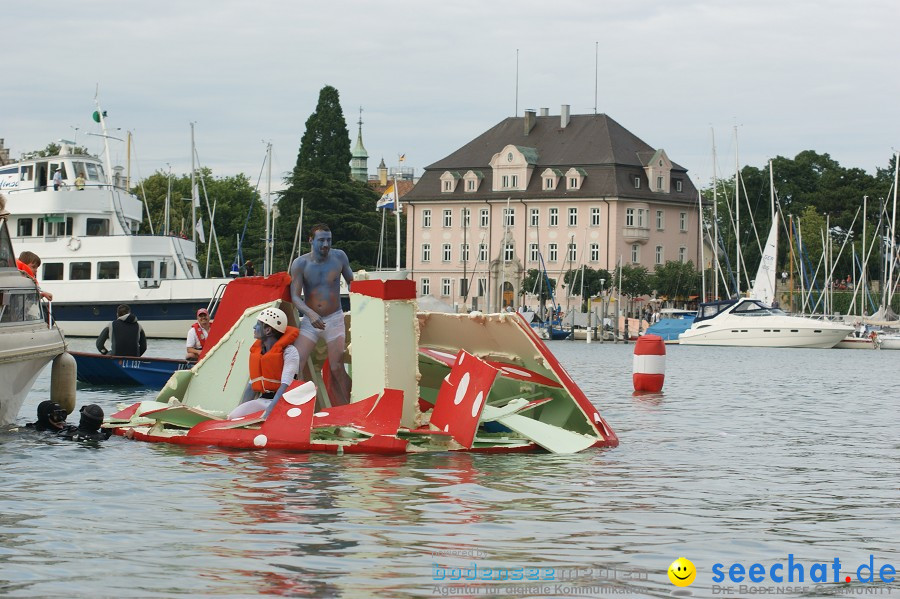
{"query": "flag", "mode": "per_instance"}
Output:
(387, 200)
(199, 229)
(401, 158)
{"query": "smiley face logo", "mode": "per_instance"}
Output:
(682, 572)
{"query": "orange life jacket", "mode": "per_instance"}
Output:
(201, 334)
(265, 369)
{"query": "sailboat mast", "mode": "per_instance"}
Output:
(889, 290)
(715, 221)
(267, 269)
(737, 214)
(702, 241)
(194, 199)
(862, 274)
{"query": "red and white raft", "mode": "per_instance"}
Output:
(421, 382)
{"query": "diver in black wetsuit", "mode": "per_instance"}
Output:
(50, 418)
(88, 428)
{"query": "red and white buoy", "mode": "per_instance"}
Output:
(649, 363)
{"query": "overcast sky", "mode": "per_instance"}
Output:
(430, 76)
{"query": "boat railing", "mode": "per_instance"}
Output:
(216, 298)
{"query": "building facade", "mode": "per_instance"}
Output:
(550, 193)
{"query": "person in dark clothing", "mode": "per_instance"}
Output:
(249, 271)
(88, 428)
(50, 418)
(126, 337)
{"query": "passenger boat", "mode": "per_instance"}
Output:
(27, 342)
(93, 258)
(421, 381)
(750, 323)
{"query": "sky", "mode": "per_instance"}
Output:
(430, 76)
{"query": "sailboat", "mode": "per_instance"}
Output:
(753, 321)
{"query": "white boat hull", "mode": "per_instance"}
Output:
(763, 337)
(24, 351)
(855, 343)
(889, 341)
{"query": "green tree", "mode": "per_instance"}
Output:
(591, 286)
(535, 283)
(636, 280)
(53, 149)
(321, 181)
(676, 279)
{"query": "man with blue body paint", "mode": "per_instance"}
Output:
(316, 293)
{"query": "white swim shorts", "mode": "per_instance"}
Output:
(334, 328)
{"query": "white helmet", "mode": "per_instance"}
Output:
(273, 317)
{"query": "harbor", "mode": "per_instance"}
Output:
(758, 452)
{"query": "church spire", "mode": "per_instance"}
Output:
(359, 168)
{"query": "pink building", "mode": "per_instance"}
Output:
(566, 190)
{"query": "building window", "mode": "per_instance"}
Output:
(637, 182)
(682, 221)
(678, 185)
(426, 286)
(682, 254)
(535, 217)
(659, 185)
(533, 252)
(53, 271)
(573, 217)
(514, 181)
(482, 287)
(595, 252)
(595, 216)
(108, 270)
(466, 217)
(552, 253)
(509, 253)
(548, 183)
(426, 219)
(635, 253)
(470, 185)
(509, 217)
(554, 217)
(573, 252)
(464, 287)
(629, 217)
(505, 180)
(448, 186)
(482, 252)
(464, 252)
(79, 271)
(573, 182)
(445, 287)
(448, 218)
(659, 254)
(445, 252)
(426, 252)
(642, 217)
(659, 220)
(485, 218)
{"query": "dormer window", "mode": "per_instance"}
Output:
(574, 178)
(551, 177)
(449, 180)
(679, 185)
(658, 171)
(512, 167)
(637, 182)
(473, 181)
(549, 183)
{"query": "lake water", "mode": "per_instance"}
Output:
(748, 456)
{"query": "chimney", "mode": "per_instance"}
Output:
(529, 120)
(563, 116)
(545, 112)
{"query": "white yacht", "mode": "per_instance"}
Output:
(751, 323)
(92, 257)
(27, 342)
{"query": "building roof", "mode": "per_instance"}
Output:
(610, 156)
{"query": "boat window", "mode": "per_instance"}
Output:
(23, 227)
(93, 171)
(28, 172)
(20, 306)
(65, 229)
(61, 166)
(79, 271)
(145, 269)
(53, 271)
(7, 257)
(751, 308)
(163, 270)
(108, 270)
(97, 227)
(40, 227)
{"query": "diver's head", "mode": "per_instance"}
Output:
(50, 415)
(91, 418)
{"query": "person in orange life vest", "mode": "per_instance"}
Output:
(197, 335)
(29, 262)
(273, 363)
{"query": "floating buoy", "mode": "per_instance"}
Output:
(649, 363)
(62, 381)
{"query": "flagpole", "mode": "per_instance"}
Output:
(397, 209)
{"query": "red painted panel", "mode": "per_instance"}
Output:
(387, 290)
(461, 397)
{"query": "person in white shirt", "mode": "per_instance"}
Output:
(197, 335)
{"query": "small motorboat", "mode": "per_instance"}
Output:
(100, 369)
(421, 381)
